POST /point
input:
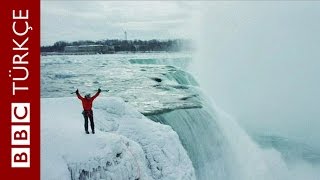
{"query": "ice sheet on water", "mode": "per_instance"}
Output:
(151, 88)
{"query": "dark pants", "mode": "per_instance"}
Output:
(86, 115)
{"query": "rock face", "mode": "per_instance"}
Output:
(126, 145)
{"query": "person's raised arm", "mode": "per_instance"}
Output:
(78, 95)
(97, 94)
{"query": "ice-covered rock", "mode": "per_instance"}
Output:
(126, 145)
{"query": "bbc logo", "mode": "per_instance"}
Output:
(20, 135)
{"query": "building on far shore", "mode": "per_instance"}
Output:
(102, 49)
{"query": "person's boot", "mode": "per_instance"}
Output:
(93, 132)
(87, 132)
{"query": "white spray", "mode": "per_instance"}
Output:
(250, 161)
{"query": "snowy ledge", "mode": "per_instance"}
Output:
(126, 145)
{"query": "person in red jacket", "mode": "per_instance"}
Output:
(87, 109)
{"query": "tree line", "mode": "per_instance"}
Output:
(126, 45)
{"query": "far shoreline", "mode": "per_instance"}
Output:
(119, 52)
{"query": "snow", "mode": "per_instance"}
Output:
(127, 145)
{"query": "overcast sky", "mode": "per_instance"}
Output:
(96, 20)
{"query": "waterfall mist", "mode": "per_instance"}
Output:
(259, 62)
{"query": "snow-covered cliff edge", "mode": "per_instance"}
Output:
(126, 145)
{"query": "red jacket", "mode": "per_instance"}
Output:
(87, 103)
